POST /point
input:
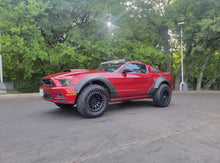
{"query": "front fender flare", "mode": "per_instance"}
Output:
(85, 81)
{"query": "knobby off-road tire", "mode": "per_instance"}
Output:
(64, 106)
(92, 101)
(162, 96)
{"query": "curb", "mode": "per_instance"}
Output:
(20, 95)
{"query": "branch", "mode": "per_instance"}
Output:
(211, 81)
(207, 59)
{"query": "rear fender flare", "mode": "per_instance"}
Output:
(157, 84)
(89, 79)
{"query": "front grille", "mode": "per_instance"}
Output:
(48, 96)
(47, 83)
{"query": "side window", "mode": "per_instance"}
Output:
(136, 67)
(154, 70)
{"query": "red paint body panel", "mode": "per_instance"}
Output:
(54, 91)
(130, 85)
(127, 85)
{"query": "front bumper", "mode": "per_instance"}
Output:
(62, 95)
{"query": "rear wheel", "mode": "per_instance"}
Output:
(162, 96)
(64, 106)
(92, 101)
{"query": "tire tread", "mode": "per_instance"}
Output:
(157, 96)
(82, 106)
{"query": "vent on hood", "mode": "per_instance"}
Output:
(75, 70)
(67, 70)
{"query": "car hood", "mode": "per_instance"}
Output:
(68, 74)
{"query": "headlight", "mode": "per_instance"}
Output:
(65, 82)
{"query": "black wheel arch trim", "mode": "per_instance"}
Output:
(89, 79)
(157, 84)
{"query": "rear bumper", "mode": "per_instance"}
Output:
(62, 95)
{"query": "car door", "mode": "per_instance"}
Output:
(134, 80)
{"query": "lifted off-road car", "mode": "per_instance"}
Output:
(117, 80)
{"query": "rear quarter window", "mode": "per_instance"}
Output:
(154, 70)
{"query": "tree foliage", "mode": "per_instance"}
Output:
(201, 35)
(43, 37)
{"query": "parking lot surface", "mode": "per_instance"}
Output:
(33, 130)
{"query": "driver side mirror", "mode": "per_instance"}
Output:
(126, 70)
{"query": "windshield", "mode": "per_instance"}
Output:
(110, 67)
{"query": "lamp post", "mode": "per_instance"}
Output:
(1, 78)
(183, 86)
(2, 85)
(109, 25)
(1, 75)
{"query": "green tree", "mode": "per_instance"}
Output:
(44, 37)
(23, 47)
(201, 34)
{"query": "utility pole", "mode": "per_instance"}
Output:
(1, 75)
(1, 79)
(183, 86)
(2, 86)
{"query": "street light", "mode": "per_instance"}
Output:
(109, 24)
(183, 86)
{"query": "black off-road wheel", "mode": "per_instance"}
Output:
(64, 106)
(92, 101)
(162, 96)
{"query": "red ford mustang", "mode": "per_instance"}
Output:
(116, 80)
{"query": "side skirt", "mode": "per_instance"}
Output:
(130, 98)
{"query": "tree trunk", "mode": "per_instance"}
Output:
(177, 81)
(168, 66)
(199, 80)
(166, 48)
(211, 81)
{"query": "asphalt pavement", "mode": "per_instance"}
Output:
(35, 131)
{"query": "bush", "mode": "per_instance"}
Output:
(27, 86)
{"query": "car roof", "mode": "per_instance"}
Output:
(138, 62)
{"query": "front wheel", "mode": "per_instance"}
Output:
(162, 96)
(92, 101)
